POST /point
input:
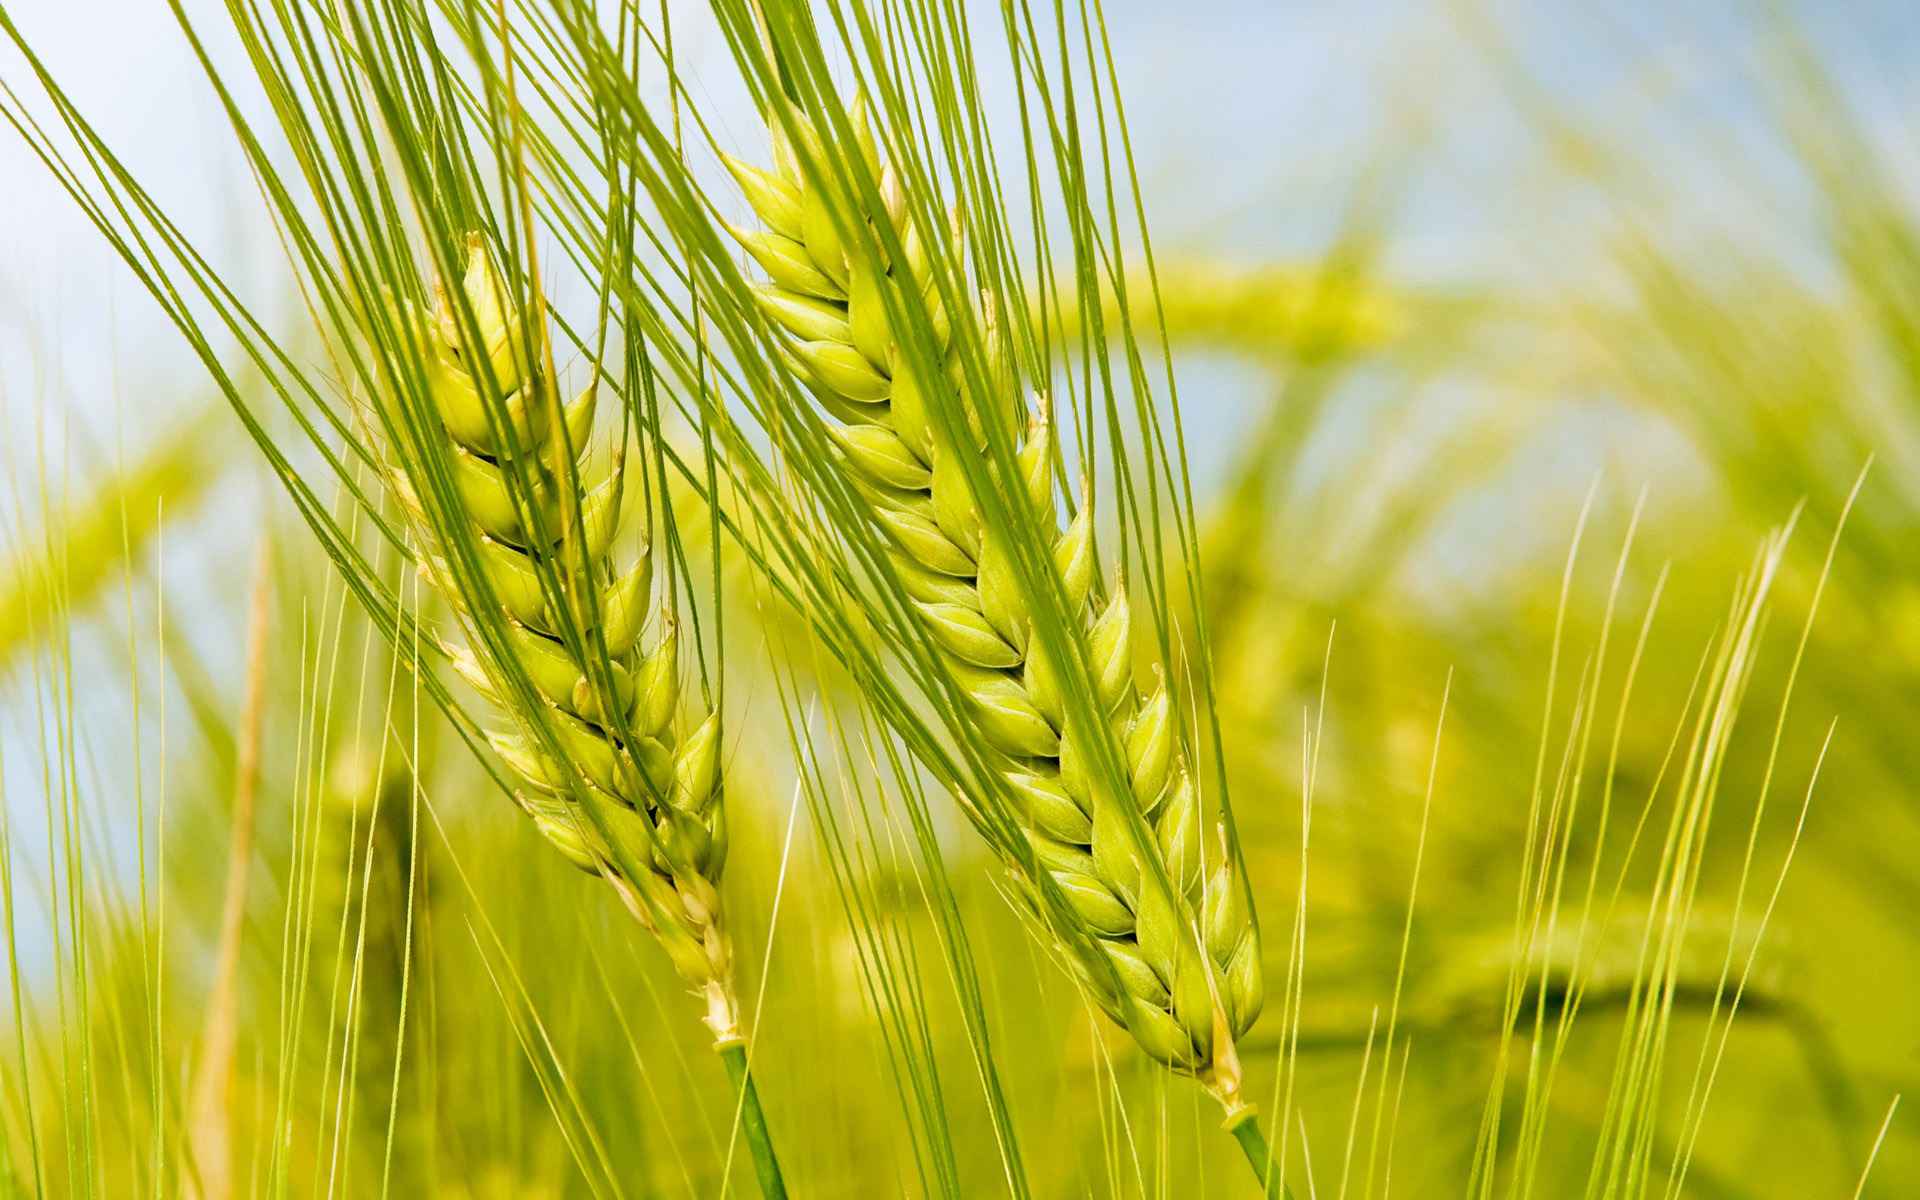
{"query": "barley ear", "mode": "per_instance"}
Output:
(588, 713)
(1159, 930)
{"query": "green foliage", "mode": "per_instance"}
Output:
(1521, 842)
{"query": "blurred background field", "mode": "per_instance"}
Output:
(1507, 334)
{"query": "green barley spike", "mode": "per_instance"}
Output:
(651, 771)
(1173, 1001)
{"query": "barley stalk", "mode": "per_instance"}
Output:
(1178, 966)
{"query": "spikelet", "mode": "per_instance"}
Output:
(1178, 976)
(607, 732)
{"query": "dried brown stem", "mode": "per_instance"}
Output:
(209, 1130)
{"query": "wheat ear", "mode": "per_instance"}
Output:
(1184, 1005)
(606, 766)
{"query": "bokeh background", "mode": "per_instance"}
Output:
(1498, 326)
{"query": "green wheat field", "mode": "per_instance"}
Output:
(870, 598)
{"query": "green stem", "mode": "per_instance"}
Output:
(753, 1122)
(1251, 1140)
